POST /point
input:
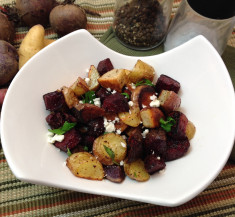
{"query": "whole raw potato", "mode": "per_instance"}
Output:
(7, 30)
(34, 12)
(8, 62)
(67, 18)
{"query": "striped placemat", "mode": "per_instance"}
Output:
(18, 198)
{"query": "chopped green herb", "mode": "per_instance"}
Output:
(106, 133)
(69, 152)
(144, 82)
(126, 95)
(65, 128)
(135, 174)
(166, 125)
(85, 148)
(89, 97)
(110, 153)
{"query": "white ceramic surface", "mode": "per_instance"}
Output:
(207, 99)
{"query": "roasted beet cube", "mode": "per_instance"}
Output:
(96, 127)
(102, 93)
(87, 141)
(153, 163)
(165, 82)
(155, 142)
(178, 130)
(71, 139)
(54, 101)
(145, 95)
(134, 146)
(115, 103)
(176, 149)
(114, 173)
(104, 66)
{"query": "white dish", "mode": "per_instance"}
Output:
(207, 100)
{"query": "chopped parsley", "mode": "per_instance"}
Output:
(65, 128)
(69, 152)
(166, 125)
(89, 97)
(144, 82)
(126, 95)
(85, 148)
(110, 153)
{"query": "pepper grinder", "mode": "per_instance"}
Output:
(142, 24)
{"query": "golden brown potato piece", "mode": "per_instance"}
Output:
(85, 165)
(190, 130)
(113, 142)
(151, 117)
(70, 97)
(131, 118)
(169, 100)
(141, 71)
(93, 75)
(79, 87)
(136, 171)
(115, 79)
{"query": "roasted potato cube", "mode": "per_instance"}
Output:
(115, 144)
(169, 100)
(93, 76)
(136, 171)
(131, 118)
(151, 117)
(70, 97)
(85, 165)
(142, 71)
(79, 87)
(190, 130)
(115, 79)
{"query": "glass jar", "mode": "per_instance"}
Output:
(141, 24)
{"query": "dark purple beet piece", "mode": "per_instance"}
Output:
(153, 163)
(165, 82)
(54, 101)
(155, 142)
(71, 139)
(114, 173)
(88, 141)
(115, 103)
(176, 149)
(104, 66)
(102, 93)
(96, 127)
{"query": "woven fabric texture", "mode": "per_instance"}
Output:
(18, 198)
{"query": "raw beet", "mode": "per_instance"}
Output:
(165, 82)
(155, 142)
(134, 146)
(115, 103)
(153, 163)
(178, 130)
(104, 66)
(102, 93)
(71, 140)
(54, 101)
(176, 149)
(114, 173)
(96, 127)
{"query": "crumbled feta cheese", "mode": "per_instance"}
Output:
(87, 70)
(153, 97)
(123, 144)
(130, 103)
(108, 89)
(87, 80)
(155, 103)
(64, 164)
(114, 91)
(117, 119)
(50, 134)
(146, 131)
(97, 102)
(158, 158)
(144, 106)
(118, 131)
(109, 126)
(123, 136)
(121, 163)
(133, 86)
(161, 171)
(55, 138)
(80, 101)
